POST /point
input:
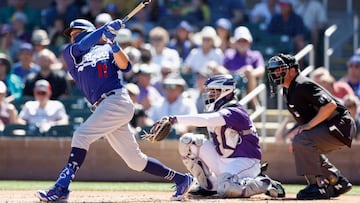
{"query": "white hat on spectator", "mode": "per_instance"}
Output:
(124, 36)
(207, 32)
(242, 32)
(42, 85)
(3, 88)
(40, 37)
(103, 18)
(132, 88)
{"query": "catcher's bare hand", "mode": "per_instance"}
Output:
(160, 130)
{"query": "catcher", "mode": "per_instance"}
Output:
(227, 164)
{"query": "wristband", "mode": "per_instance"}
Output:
(115, 47)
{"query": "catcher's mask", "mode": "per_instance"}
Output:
(277, 67)
(83, 24)
(219, 90)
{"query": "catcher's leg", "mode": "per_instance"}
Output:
(189, 150)
(230, 186)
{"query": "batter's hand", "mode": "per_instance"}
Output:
(116, 24)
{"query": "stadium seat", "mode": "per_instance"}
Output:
(19, 130)
(60, 131)
(74, 103)
(78, 116)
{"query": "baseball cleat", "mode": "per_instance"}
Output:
(183, 188)
(313, 192)
(57, 194)
(201, 192)
(341, 186)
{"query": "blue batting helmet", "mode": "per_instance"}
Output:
(83, 24)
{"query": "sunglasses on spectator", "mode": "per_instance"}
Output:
(41, 93)
(156, 39)
(168, 86)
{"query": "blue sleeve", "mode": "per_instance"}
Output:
(87, 42)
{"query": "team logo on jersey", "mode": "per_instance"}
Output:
(90, 59)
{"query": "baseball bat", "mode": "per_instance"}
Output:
(136, 10)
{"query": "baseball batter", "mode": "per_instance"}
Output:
(229, 162)
(94, 60)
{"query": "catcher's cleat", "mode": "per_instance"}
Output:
(275, 189)
(183, 188)
(313, 192)
(201, 192)
(341, 186)
(57, 194)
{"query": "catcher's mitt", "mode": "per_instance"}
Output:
(160, 130)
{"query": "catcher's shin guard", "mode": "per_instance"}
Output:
(230, 186)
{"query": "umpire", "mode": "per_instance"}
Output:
(324, 125)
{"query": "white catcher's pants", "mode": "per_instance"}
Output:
(111, 120)
(241, 166)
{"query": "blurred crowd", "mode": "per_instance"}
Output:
(174, 46)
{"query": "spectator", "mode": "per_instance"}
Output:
(61, 9)
(9, 44)
(56, 78)
(148, 95)
(140, 118)
(174, 102)
(8, 112)
(209, 42)
(224, 31)
(352, 104)
(92, 9)
(197, 12)
(142, 19)
(244, 61)
(234, 10)
(40, 40)
(159, 39)
(56, 36)
(13, 82)
(263, 11)
(339, 89)
(288, 23)
(315, 19)
(113, 9)
(200, 79)
(18, 23)
(353, 74)
(33, 15)
(124, 38)
(167, 68)
(43, 112)
(25, 65)
(138, 37)
(182, 42)
(173, 16)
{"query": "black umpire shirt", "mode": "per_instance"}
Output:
(304, 98)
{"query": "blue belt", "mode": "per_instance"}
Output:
(98, 102)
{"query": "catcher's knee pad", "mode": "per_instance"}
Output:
(189, 145)
(230, 186)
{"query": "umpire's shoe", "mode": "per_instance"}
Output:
(183, 188)
(313, 192)
(57, 194)
(342, 186)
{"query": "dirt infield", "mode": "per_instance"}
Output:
(118, 196)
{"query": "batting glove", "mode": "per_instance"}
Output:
(116, 24)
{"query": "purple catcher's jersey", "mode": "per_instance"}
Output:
(230, 140)
(95, 72)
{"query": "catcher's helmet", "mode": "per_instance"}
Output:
(277, 67)
(83, 24)
(219, 91)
